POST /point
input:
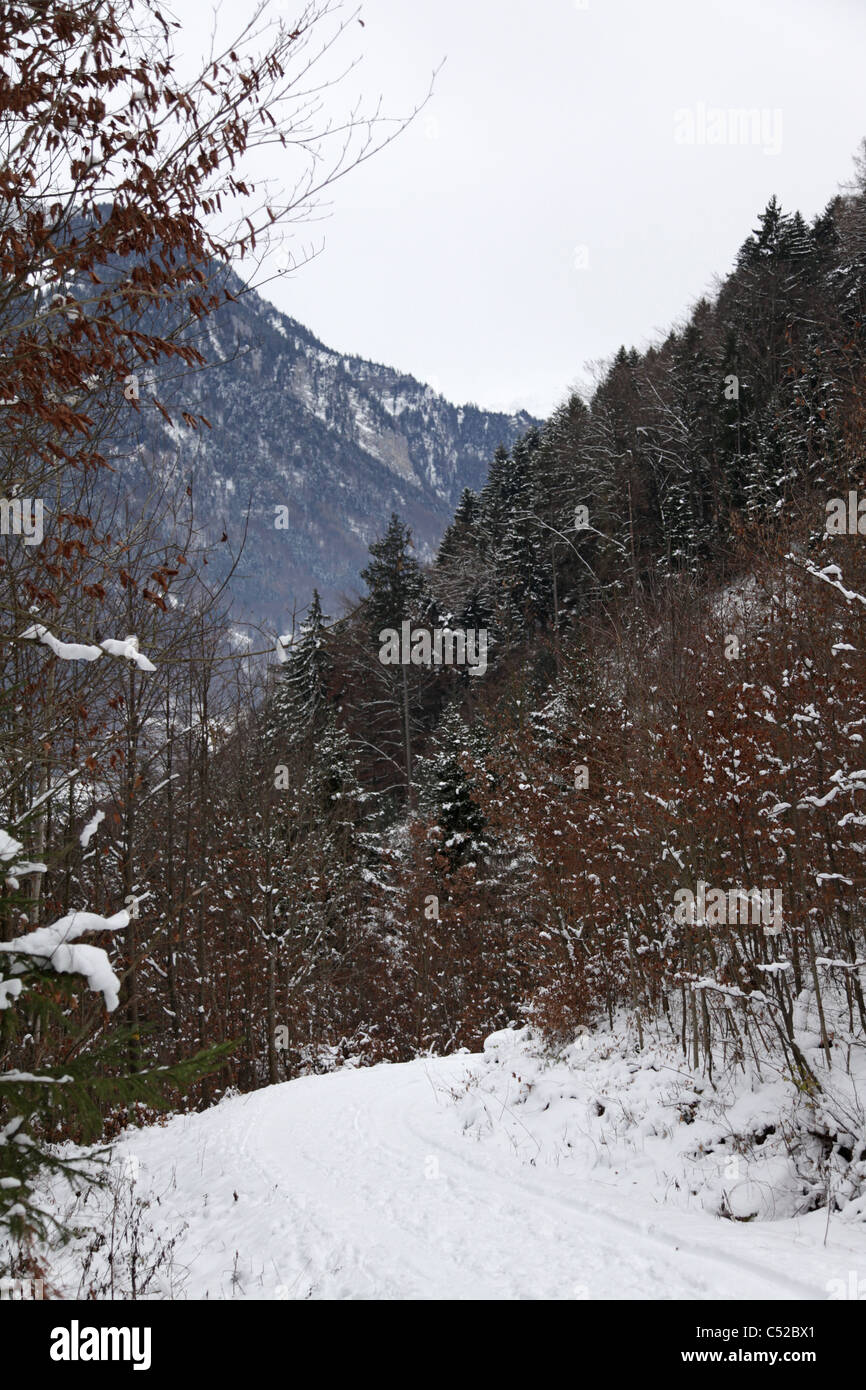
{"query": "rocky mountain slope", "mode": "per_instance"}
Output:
(309, 452)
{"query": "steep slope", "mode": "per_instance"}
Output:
(338, 441)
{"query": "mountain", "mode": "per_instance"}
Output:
(336, 440)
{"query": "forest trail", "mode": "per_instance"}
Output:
(360, 1184)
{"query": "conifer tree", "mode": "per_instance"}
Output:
(447, 777)
(300, 695)
(385, 694)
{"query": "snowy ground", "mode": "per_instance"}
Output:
(426, 1180)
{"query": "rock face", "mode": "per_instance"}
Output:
(330, 443)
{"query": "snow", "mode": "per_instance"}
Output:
(467, 1177)
(129, 650)
(67, 651)
(8, 847)
(832, 575)
(9, 990)
(606, 1112)
(83, 651)
(52, 945)
(91, 828)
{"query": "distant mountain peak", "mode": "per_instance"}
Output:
(338, 440)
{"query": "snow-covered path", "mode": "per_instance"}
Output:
(360, 1184)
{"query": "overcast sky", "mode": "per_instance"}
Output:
(576, 180)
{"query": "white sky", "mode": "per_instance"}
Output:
(454, 254)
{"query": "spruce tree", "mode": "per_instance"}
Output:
(42, 975)
(447, 779)
(387, 698)
(300, 695)
(396, 588)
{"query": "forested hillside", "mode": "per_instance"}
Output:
(387, 858)
(673, 696)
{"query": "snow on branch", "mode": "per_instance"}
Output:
(67, 651)
(90, 829)
(8, 847)
(57, 946)
(83, 651)
(128, 648)
(830, 574)
(16, 868)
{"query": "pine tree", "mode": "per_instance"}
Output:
(298, 701)
(42, 976)
(458, 578)
(447, 778)
(396, 588)
(514, 550)
(385, 699)
(686, 426)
